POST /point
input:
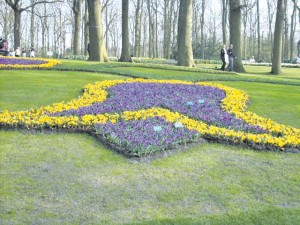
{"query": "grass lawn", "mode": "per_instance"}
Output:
(280, 103)
(256, 70)
(201, 73)
(70, 178)
(21, 90)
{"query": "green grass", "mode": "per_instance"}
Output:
(76, 180)
(70, 178)
(201, 73)
(280, 103)
(21, 90)
(254, 70)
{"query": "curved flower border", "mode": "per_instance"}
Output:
(48, 63)
(235, 102)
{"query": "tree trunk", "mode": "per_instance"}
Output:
(44, 29)
(125, 56)
(235, 33)
(285, 41)
(17, 28)
(292, 34)
(277, 46)
(244, 36)
(32, 34)
(77, 26)
(97, 47)
(185, 51)
(151, 35)
(298, 44)
(145, 37)
(195, 28)
(166, 28)
(86, 28)
(106, 27)
(175, 25)
(258, 57)
(224, 20)
(202, 28)
(168, 11)
(137, 37)
(244, 21)
(140, 32)
(270, 20)
(156, 29)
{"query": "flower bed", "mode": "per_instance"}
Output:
(26, 63)
(140, 116)
(139, 137)
(195, 101)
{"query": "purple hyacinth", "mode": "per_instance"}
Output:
(20, 61)
(139, 137)
(180, 98)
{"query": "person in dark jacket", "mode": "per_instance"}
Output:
(224, 57)
(231, 56)
(3, 47)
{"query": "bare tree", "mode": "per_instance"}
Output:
(203, 7)
(137, 30)
(86, 28)
(293, 29)
(277, 46)
(16, 6)
(245, 19)
(6, 21)
(110, 16)
(285, 37)
(175, 26)
(185, 50)
(168, 9)
(151, 30)
(155, 26)
(298, 7)
(271, 12)
(32, 20)
(196, 22)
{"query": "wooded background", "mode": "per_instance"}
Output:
(153, 27)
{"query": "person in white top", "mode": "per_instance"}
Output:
(18, 52)
(23, 52)
(32, 53)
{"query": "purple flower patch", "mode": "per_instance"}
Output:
(195, 101)
(141, 137)
(20, 61)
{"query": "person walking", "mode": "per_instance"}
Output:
(88, 48)
(224, 57)
(231, 56)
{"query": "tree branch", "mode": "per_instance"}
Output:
(12, 4)
(40, 2)
(106, 4)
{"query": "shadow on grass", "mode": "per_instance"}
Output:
(274, 216)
